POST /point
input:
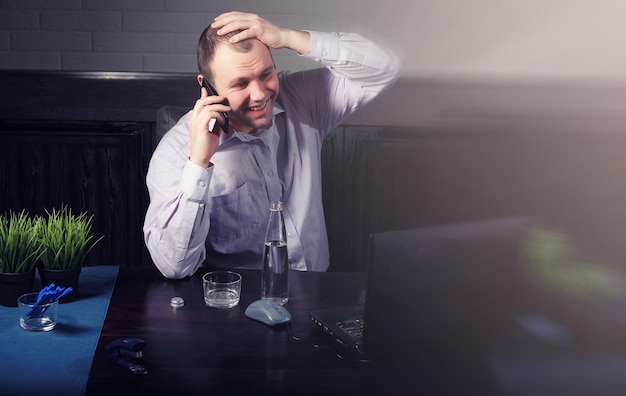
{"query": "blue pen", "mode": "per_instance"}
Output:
(40, 300)
(65, 292)
(47, 295)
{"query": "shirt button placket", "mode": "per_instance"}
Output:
(269, 175)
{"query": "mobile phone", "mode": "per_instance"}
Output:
(223, 124)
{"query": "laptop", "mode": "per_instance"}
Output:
(345, 324)
(431, 287)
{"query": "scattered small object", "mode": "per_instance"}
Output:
(47, 295)
(177, 302)
(124, 352)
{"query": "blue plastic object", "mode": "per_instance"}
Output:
(47, 295)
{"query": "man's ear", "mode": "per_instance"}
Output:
(200, 77)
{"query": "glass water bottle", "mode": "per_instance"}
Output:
(275, 270)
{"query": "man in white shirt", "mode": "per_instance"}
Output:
(210, 191)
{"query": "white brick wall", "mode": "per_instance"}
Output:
(151, 35)
(509, 39)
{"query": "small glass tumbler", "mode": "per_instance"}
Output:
(221, 289)
(41, 317)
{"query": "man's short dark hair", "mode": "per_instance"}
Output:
(208, 43)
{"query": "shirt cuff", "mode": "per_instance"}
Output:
(195, 181)
(324, 47)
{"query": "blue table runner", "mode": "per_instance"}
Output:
(58, 361)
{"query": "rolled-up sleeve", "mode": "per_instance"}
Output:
(176, 222)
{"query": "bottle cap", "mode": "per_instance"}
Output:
(177, 302)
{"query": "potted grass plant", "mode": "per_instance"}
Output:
(20, 251)
(66, 239)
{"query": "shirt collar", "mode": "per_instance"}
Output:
(276, 109)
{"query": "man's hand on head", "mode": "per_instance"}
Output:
(254, 26)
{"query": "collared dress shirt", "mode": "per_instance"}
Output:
(220, 214)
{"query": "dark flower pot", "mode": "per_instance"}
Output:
(13, 285)
(63, 278)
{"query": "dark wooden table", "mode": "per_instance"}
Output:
(568, 348)
(201, 350)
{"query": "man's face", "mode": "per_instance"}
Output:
(249, 82)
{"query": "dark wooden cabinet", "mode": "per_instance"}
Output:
(388, 178)
(85, 139)
(98, 167)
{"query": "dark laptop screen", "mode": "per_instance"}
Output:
(440, 288)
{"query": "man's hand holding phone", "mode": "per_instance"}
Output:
(224, 122)
(204, 137)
